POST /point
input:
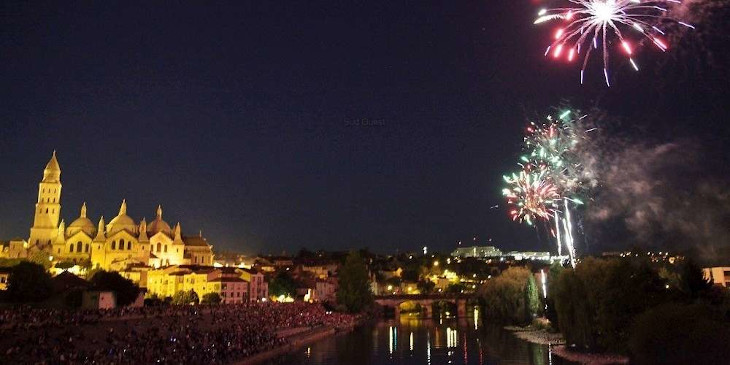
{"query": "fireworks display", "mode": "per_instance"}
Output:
(552, 177)
(530, 196)
(590, 24)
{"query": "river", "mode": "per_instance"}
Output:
(412, 340)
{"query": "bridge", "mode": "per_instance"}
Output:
(426, 301)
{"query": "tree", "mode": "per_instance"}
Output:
(532, 299)
(504, 297)
(410, 274)
(40, 257)
(185, 297)
(211, 298)
(304, 253)
(455, 288)
(153, 301)
(126, 291)
(692, 281)
(393, 281)
(354, 284)
(29, 282)
(553, 277)
(282, 284)
(426, 286)
(676, 333)
(598, 301)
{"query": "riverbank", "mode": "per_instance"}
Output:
(538, 336)
(294, 340)
(557, 346)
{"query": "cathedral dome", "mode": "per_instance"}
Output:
(81, 224)
(158, 225)
(122, 221)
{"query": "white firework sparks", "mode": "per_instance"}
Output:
(590, 22)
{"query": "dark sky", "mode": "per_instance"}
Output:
(240, 118)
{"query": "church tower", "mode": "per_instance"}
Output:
(48, 208)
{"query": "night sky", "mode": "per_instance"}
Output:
(246, 120)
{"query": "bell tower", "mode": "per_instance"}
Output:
(48, 208)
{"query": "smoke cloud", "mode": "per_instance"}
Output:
(657, 196)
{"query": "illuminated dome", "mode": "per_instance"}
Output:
(158, 225)
(81, 224)
(122, 221)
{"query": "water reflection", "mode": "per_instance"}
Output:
(438, 341)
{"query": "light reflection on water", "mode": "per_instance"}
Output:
(411, 341)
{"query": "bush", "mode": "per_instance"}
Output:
(153, 301)
(211, 298)
(680, 334)
(455, 288)
(65, 265)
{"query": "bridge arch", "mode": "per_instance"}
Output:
(425, 301)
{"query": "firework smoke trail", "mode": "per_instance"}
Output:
(543, 280)
(569, 234)
(557, 234)
(591, 20)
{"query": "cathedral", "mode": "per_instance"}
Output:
(118, 245)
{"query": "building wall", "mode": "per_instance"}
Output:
(718, 275)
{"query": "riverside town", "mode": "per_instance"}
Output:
(538, 182)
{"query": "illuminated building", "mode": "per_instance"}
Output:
(477, 251)
(227, 282)
(116, 245)
(718, 275)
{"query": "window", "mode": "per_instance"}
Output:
(165, 248)
(71, 248)
(87, 248)
(121, 244)
(129, 245)
(114, 245)
(79, 245)
(46, 210)
(159, 247)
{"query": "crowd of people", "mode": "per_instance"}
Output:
(218, 334)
